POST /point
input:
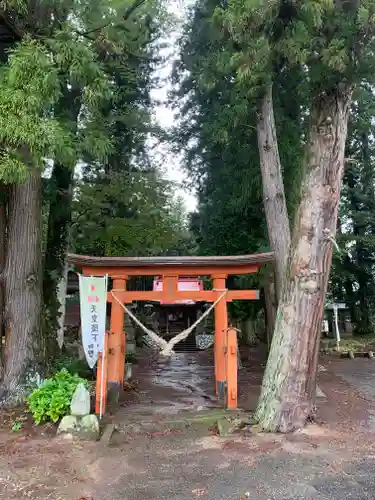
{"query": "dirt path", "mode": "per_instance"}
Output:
(315, 464)
(329, 461)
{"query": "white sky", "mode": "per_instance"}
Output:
(171, 163)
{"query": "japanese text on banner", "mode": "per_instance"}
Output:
(93, 303)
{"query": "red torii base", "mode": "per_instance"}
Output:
(170, 269)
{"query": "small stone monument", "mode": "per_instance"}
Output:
(80, 404)
(80, 424)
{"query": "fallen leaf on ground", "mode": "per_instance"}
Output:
(199, 493)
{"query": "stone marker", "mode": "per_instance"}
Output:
(80, 405)
(86, 427)
(80, 424)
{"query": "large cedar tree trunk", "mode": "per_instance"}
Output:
(22, 289)
(273, 187)
(289, 383)
(3, 243)
(270, 300)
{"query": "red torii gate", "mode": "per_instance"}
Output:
(170, 269)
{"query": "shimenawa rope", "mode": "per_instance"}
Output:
(167, 347)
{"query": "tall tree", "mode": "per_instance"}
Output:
(130, 214)
(29, 87)
(325, 37)
(218, 132)
(112, 43)
(353, 279)
(274, 199)
(52, 91)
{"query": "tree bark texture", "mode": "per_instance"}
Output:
(3, 226)
(22, 289)
(289, 382)
(271, 307)
(273, 187)
(248, 333)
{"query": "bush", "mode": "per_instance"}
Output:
(51, 401)
(74, 366)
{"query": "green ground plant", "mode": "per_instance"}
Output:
(51, 401)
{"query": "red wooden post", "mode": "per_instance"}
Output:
(116, 346)
(98, 385)
(221, 324)
(170, 288)
(101, 381)
(231, 368)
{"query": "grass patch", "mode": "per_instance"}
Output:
(360, 343)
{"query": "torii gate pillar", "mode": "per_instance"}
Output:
(116, 347)
(221, 325)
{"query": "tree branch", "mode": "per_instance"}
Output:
(129, 11)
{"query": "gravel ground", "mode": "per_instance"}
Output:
(329, 461)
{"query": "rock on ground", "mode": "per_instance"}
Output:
(86, 427)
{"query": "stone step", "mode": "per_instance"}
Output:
(200, 420)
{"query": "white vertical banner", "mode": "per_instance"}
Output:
(93, 302)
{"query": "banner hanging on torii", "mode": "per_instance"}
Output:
(93, 305)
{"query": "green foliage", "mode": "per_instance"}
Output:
(331, 45)
(130, 214)
(28, 89)
(75, 80)
(51, 401)
(124, 206)
(13, 170)
(18, 5)
(17, 426)
(106, 55)
(73, 365)
(353, 277)
(217, 132)
(333, 41)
